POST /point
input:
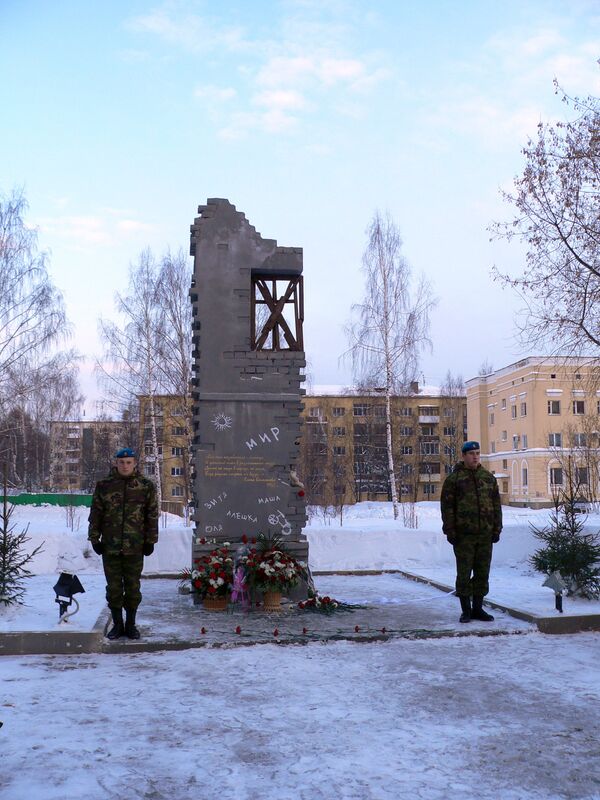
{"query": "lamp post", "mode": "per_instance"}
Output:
(556, 582)
(67, 586)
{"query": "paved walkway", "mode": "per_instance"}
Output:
(388, 606)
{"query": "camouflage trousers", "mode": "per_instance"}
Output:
(123, 575)
(473, 559)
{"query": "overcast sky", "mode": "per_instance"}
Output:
(120, 118)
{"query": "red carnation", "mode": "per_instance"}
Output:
(238, 629)
(276, 632)
(253, 540)
(305, 631)
(301, 605)
(203, 540)
(301, 493)
(202, 630)
(356, 629)
(244, 538)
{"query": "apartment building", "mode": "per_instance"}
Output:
(82, 451)
(537, 421)
(344, 446)
(170, 423)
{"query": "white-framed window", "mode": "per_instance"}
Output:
(493, 447)
(406, 431)
(450, 430)
(430, 448)
(149, 469)
(177, 491)
(177, 451)
(515, 442)
(503, 403)
(505, 463)
(314, 411)
(448, 411)
(339, 431)
(339, 450)
(406, 469)
(429, 489)
(149, 450)
(491, 417)
(338, 411)
(406, 450)
(582, 476)
(555, 440)
(554, 407)
(513, 412)
(579, 440)
(524, 441)
(406, 489)
(177, 430)
(379, 411)
(176, 470)
(524, 476)
(523, 409)
(504, 436)
(579, 407)
(449, 450)
(556, 476)
(429, 411)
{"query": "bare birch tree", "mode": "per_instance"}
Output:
(557, 218)
(391, 326)
(132, 351)
(33, 375)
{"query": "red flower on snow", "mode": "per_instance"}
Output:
(238, 629)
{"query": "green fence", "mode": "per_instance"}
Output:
(52, 499)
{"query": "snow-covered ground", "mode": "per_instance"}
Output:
(511, 717)
(497, 718)
(368, 540)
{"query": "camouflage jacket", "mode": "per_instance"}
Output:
(124, 513)
(470, 502)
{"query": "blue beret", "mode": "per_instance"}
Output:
(470, 446)
(125, 452)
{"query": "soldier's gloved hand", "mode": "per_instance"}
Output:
(98, 547)
(148, 548)
(495, 538)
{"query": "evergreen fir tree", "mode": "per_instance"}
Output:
(575, 554)
(13, 560)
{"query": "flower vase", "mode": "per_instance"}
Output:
(218, 603)
(272, 601)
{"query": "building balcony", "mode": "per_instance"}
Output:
(434, 477)
(427, 420)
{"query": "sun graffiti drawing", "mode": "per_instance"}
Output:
(222, 421)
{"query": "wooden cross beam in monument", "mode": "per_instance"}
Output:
(265, 293)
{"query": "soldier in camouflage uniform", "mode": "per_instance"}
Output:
(472, 521)
(123, 529)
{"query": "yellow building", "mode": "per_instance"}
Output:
(172, 429)
(82, 451)
(537, 423)
(344, 445)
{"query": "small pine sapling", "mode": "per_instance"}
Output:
(575, 554)
(13, 559)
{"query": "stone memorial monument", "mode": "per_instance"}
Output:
(247, 297)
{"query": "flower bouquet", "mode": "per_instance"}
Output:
(323, 604)
(268, 567)
(212, 574)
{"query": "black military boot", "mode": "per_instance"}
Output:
(465, 604)
(117, 629)
(130, 630)
(478, 612)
